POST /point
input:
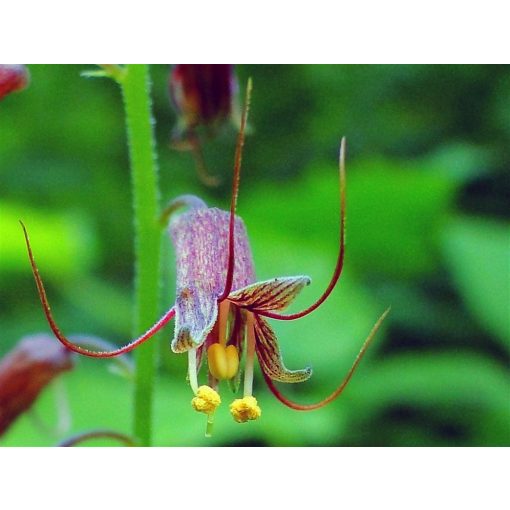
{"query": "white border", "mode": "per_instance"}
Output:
(333, 31)
(350, 478)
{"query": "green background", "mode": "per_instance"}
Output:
(428, 233)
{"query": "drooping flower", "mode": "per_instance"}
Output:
(13, 77)
(204, 97)
(221, 310)
(25, 371)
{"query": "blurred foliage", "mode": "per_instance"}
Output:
(427, 231)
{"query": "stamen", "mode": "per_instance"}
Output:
(235, 192)
(250, 355)
(209, 425)
(340, 259)
(343, 384)
(192, 370)
(70, 345)
(206, 401)
(223, 361)
(244, 409)
(224, 310)
(232, 356)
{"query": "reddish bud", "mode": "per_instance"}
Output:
(202, 95)
(26, 371)
(13, 77)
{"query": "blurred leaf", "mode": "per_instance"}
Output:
(461, 160)
(62, 242)
(92, 297)
(478, 254)
(440, 382)
(450, 378)
(394, 212)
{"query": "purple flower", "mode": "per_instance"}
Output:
(220, 308)
(13, 77)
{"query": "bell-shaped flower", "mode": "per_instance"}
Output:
(221, 310)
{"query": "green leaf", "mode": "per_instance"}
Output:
(62, 242)
(478, 254)
(441, 384)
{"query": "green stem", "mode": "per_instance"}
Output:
(135, 85)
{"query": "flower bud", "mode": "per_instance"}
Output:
(26, 371)
(202, 95)
(13, 77)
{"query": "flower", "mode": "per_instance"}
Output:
(13, 77)
(204, 97)
(221, 310)
(26, 371)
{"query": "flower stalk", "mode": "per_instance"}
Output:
(135, 85)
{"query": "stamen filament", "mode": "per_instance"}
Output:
(209, 426)
(250, 356)
(192, 370)
(224, 310)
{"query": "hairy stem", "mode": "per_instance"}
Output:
(135, 85)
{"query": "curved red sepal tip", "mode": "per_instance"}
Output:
(70, 345)
(235, 192)
(343, 384)
(340, 258)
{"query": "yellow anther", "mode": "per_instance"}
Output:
(223, 361)
(232, 361)
(206, 400)
(244, 409)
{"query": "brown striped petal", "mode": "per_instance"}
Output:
(274, 294)
(270, 358)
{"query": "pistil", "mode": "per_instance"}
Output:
(250, 356)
